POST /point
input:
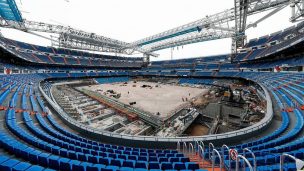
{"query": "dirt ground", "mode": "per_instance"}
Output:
(197, 130)
(159, 98)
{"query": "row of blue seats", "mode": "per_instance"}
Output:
(112, 80)
(34, 105)
(252, 76)
(65, 52)
(41, 105)
(27, 118)
(8, 164)
(91, 60)
(298, 127)
(83, 154)
(142, 153)
(57, 163)
(77, 137)
(196, 81)
(121, 154)
(4, 95)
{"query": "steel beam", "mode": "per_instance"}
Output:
(190, 39)
(297, 9)
(240, 20)
(253, 7)
(266, 16)
(229, 23)
(221, 17)
(78, 39)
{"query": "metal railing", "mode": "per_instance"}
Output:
(245, 160)
(191, 149)
(185, 148)
(214, 151)
(178, 147)
(253, 156)
(223, 154)
(211, 146)
(299, 163)
(201, 153)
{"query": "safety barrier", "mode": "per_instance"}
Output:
(173, 140)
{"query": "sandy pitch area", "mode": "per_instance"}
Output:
(163, 99)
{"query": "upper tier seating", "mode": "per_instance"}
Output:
(267, 45)
(48, 55)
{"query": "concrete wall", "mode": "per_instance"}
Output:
(160, 142)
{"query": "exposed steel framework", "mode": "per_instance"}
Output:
(230, 23)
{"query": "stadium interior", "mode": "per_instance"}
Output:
(69, 108)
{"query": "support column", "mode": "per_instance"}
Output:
(240, 15)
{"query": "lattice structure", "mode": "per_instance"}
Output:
(240, 18)
(230, 23)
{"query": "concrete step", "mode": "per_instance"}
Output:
(204, 165)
